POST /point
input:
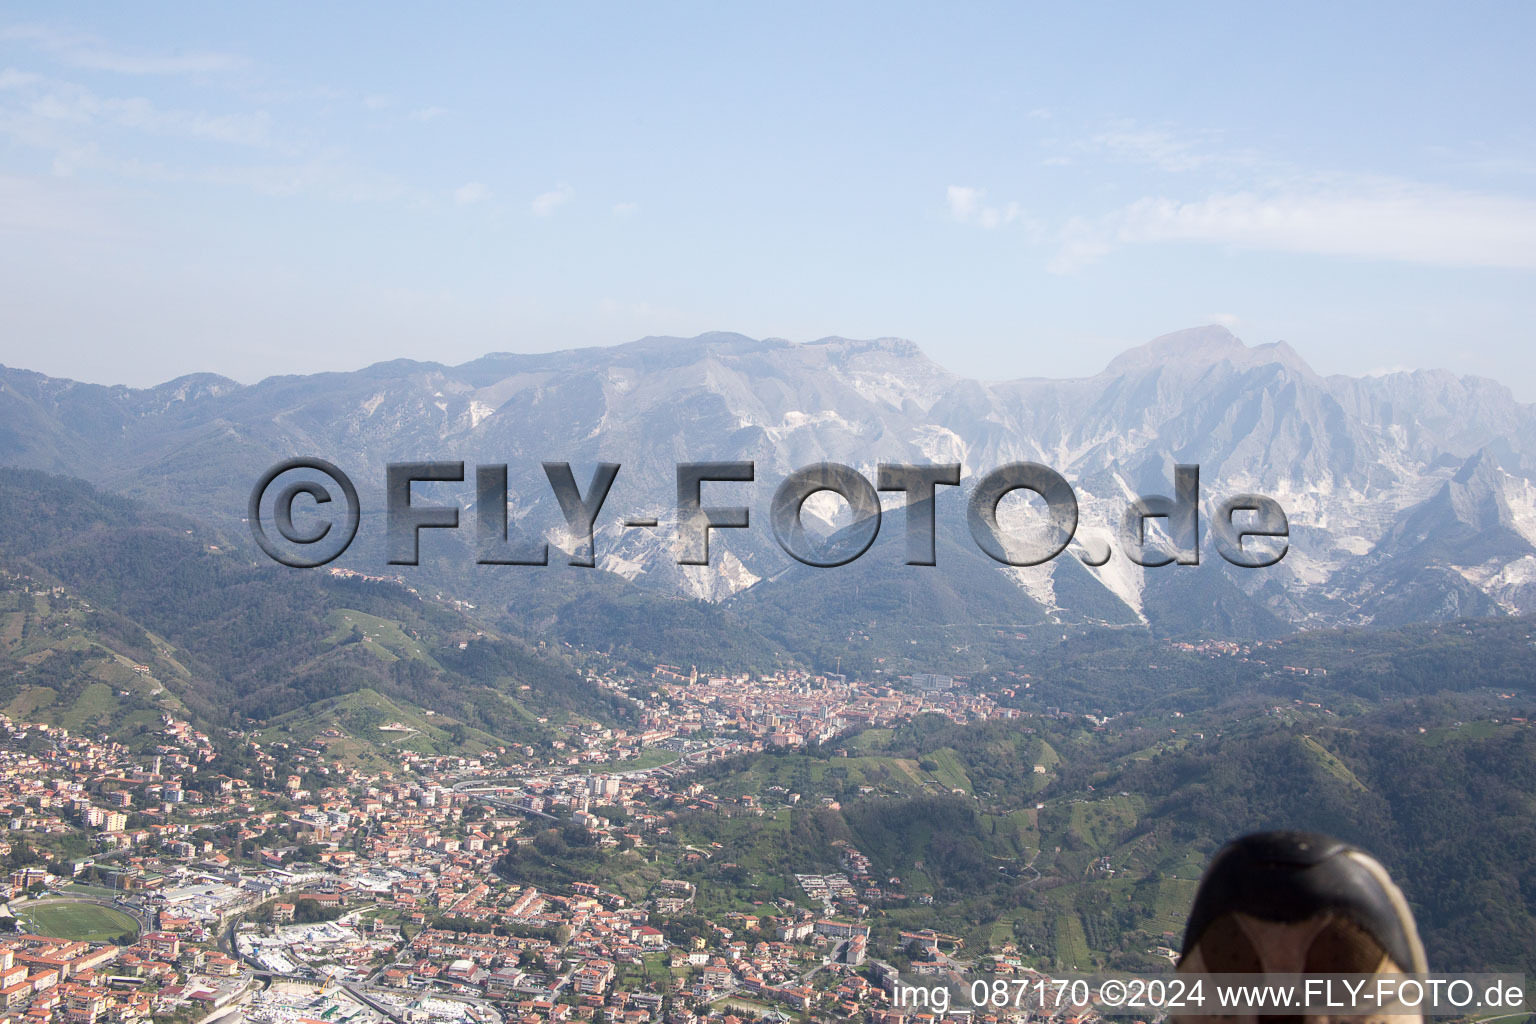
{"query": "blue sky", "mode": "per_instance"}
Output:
(1020, 190)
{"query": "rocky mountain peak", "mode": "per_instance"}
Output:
(1200, 347)
(898, 347)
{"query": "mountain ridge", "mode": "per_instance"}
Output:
(1211, 340)
(1353, 460)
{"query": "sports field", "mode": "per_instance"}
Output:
(84, 921)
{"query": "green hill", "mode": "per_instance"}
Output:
(67, 662)
(97, 585)
(364, 725)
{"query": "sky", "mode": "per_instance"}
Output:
(1023, 190)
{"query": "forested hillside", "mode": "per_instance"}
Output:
(253, 640)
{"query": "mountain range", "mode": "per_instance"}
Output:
(1410, 496)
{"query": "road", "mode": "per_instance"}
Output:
(692, 759)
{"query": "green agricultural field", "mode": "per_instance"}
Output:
(869, 739)
(95, 705)
(87, 922)
(1102, 823)
(950, 773)
(1174, 898)
(384, 638)
(1072, 951)
(29, 701)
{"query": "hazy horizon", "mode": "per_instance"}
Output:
(996, 378)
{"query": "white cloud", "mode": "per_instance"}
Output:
(78, 130)
(10, 78)
(548, 202)
(1227, 320)
(1154, 146)
(470, 193)
(326, 175)
(428, 113)
(625, 209)
(968, 206)
(1125, 142)
(181, 64)
(54, 110)
(139, 114)
(1382, 220)
(91, 54)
